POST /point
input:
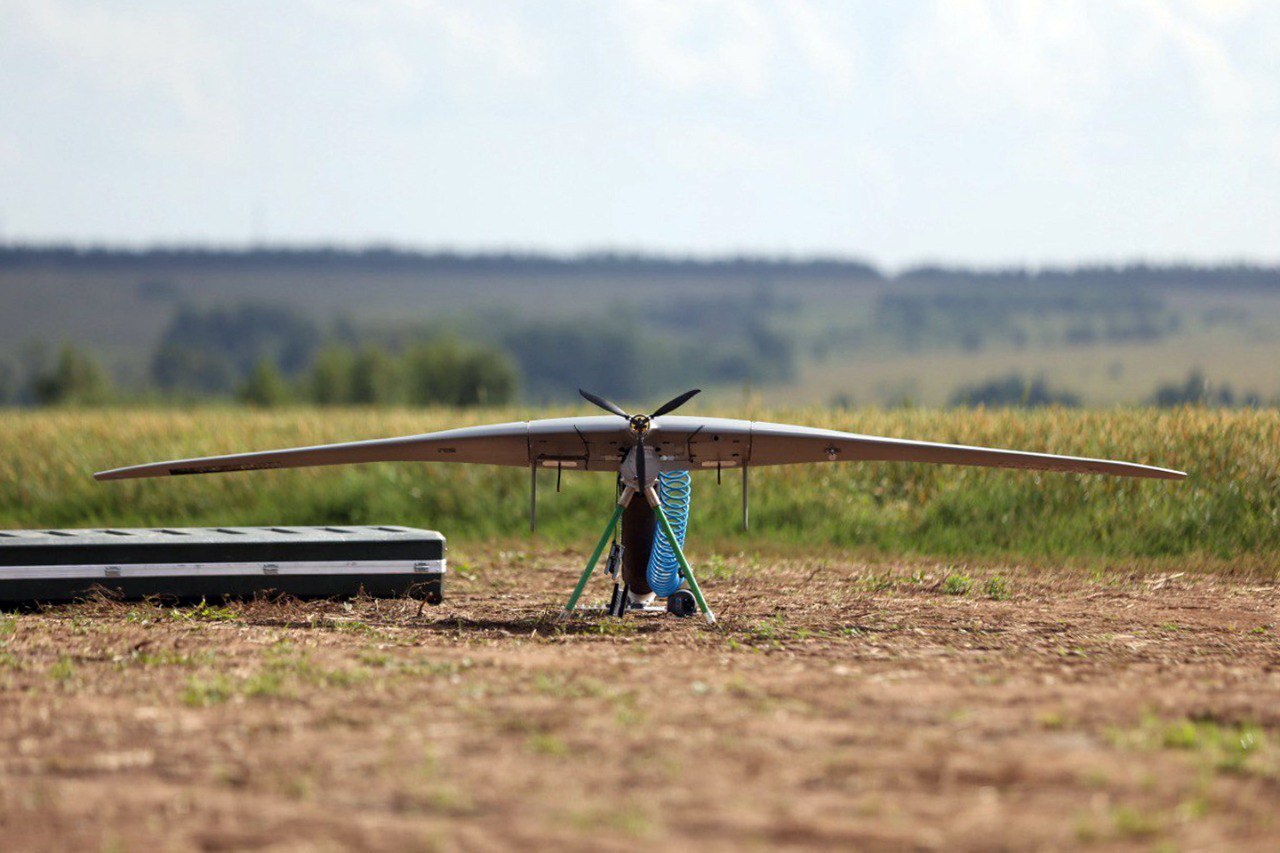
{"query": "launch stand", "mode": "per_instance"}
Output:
(651, 495)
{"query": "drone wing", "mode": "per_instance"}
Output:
(498, 444)
(599, 444)
(782, 444)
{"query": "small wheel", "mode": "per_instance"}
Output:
(682, 603)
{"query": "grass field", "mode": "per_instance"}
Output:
(1227, 512)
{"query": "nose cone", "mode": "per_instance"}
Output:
(639, 424)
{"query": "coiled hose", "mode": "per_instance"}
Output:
(675, 490)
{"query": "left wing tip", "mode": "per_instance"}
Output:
(125, 473)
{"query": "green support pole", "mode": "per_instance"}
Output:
(595, 558)
(684, 564)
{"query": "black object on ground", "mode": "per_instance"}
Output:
(193, 563)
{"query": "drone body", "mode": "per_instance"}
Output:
(639, 450)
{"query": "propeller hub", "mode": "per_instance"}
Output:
(639, 424)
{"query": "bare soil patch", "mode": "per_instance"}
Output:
(836, 703)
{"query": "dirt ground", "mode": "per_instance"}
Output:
(906, 706)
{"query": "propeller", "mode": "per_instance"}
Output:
(608, 406)
(639, 423)
(675, 403)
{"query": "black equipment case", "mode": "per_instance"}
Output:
(190, 563)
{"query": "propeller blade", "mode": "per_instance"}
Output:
(614, 408)
(672, 405)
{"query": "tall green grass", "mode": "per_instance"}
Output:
(1228, 510)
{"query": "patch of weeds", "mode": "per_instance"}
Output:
(1095, 779)
(8, 627)
(627, 819)
(205, 612)
(1195, 807)
(1086, 829)
(1052, 720)
(63, 670)
(1171, 627)
(996, 588)
(1221, 747)
(568, 687)
(355, 627)
(448, 799)
(297, 787)
(167, 657)
(423, 667)
(1132, 823)
(269, 682)
(772, 630)
(881, 582)
(957, 584)
(628, 715)
(715, 567)
(371, 657)
(1264, 629)
(206, 692)
(146, 613)
(546, 743)
(341, 677)
(614, 627)
(10, 661)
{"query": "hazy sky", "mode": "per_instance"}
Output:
(959, 131)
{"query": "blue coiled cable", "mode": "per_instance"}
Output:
(675, 490)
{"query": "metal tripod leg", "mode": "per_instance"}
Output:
(679, 552)
(595, 557)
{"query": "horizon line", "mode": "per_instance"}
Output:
(620, 253)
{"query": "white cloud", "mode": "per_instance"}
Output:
(742, 48)
(141, 56)
(469, 49)
(702, 45)
(823, 42)
(1195, 45)
(975, 56)
(10, 154)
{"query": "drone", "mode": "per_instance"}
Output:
(652, 457)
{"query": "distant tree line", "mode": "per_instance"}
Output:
(268, 355)
(1134, 275)
(211, 352)
(1012, 390)
(67, 376)
(1048, 315)
(439, 373)
(399, 259)
(393, 259)
(1196, 390)
(1015, 390)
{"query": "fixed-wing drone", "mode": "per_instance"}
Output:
(651, 455)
